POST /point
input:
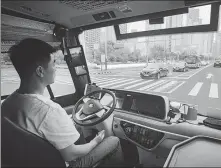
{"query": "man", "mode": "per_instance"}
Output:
(34, 60)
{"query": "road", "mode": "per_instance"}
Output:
(200, 87)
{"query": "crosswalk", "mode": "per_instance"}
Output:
(159, 86)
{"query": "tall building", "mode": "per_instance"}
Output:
(216, 50)
(111, 36)
(200, 42)
(91, 38)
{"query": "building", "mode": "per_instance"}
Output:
(216, 50)
(90, 39)
(111, 36)
(200, 42)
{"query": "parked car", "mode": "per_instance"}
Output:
(180, 67)
(217, 63)
(156, 70)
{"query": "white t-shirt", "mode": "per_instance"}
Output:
(42, 117)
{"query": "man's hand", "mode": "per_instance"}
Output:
(75, 151)
(99, 137)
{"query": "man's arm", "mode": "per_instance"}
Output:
(73, 151)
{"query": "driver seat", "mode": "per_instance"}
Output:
(21, 148)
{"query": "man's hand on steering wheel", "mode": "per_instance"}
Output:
(92, 112)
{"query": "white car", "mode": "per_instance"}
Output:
(204, 63)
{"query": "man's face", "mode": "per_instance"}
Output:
(49, 72)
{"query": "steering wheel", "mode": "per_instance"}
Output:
(92, 111)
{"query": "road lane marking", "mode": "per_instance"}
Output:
(152, 85)
(190, 74)
(138, 84)
(213, 93)
(160, 89)
(197, 71)
(115, 80)
(114, 83)
(157, 86)
(209, 76)
(195, 89)
(101, 79)
(135, 81)
(104, 80)
(176, 87)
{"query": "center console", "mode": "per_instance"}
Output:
(142, 136)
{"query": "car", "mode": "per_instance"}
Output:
(156, 70)
(204, 63)
(180, 67)
(217, 63)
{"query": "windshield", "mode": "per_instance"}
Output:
(117, 64)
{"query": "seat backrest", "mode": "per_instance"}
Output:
(21, 148)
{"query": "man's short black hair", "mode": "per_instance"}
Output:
(28, 54)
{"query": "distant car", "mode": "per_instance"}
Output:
(151, 61)
(204, 63)
(180, 67)
(155, 70)
(193, 65)
(217, 63)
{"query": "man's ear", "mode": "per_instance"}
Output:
(40, 71)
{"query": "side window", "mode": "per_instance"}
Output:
(10, 80)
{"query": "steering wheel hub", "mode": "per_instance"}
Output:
(92, 111)
(92, 106)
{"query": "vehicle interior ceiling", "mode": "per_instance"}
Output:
(60, 22)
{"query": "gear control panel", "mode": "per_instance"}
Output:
(145, 137)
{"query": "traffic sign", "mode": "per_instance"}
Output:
(102, 58)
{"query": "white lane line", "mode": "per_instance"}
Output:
(108, 81)
(104, 80)
(195, 89)
(165, 86)
(135, 81)
(114, 83)
(138, 84)
(101, 79)
(213, 93)
(152, 84)
(176, 87)
(157, 85)
(95, 78)
(197, 71)
(191, 73)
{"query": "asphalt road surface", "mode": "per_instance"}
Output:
(200, 87)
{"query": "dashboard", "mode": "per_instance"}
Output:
(144, 104)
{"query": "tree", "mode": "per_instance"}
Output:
(157, 52)
(116, 53)
(110, 47)
(5, 57)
